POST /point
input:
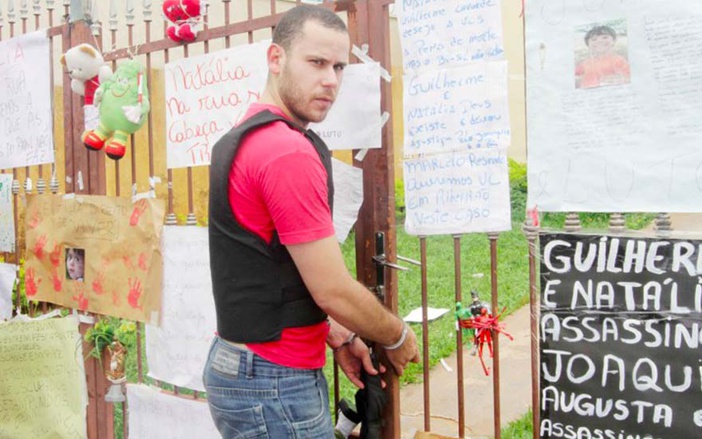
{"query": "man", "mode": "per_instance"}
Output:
(277, 270)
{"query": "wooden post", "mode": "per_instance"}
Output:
(85, 175)
(368, 23)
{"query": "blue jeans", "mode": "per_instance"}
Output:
(250, 397)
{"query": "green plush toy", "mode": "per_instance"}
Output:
(123, 102)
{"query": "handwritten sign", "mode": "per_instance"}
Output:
(178, 348)
(206, 96)
(25, 103)
(95, 253)
(153, 414)
(7, 219)
(620, 336)
(455, 109)
(348, 197)
(457, 193)
(42, 380)
(441, 33)
(354, 121)
(595, 135)
(8, 277)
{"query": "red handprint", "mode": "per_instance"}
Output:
(97, 283)
(39, 246)
(142, 262)
(81, 299)
(55, 256)
(139, 209)
(31, 285)
(56, 280)
(134, 293)
(34, 221)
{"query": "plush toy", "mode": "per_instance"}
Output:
(123, 105)
(185, 18)
(87, 70)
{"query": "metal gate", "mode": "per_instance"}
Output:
(126, 28)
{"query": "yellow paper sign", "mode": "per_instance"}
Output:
(96, 253)
(42, 380)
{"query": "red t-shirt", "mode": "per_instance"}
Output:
(603, 70)
(278, 183)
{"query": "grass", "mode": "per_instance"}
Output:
(519, 429)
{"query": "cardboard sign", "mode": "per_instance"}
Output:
(96, 253)
(620, 337)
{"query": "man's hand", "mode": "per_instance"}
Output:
(405, 353)
(354, 356)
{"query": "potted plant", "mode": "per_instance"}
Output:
(111, 335)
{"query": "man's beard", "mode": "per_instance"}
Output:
(295, 102)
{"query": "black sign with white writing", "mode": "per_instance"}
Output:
(620, 337)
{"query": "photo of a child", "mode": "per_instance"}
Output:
(75, 264)
(603, 59)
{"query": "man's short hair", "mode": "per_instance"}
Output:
(600, 30)
(291, 23)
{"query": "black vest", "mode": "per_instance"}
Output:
(258, 291)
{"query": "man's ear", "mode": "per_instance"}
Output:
(276, 57)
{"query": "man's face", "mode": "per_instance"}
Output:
(600, 44)
(311, 72)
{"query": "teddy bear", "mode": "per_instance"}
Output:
(185, 18)
(86, 68)
(123, 102)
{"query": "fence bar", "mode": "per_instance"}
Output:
(662, 224)
(532, 235)
(15, 201)
(15, 182)
(459, 338)
(425, 334)
(616, 223)
(495, 337)
(170, 216)
(113, 43)
(209, 34)
(149, 81)
(572, 222)
(249, 16)
(227, 20)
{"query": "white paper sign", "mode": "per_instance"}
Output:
(25, 101)
(457, 193)
(354, 121)
(417, 314)
(615, 105)
(456, 109)
(42, 379)
(348, 197)
(440, 33)
(178, 348)
(206, 96)
(8, 276)
(154, 414)
(7, 219)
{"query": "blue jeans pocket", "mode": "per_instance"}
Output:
(307, 406)
(240, 424)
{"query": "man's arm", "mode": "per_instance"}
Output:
(348, 302)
